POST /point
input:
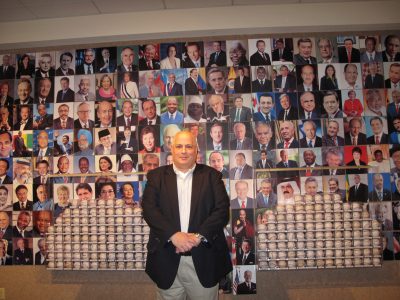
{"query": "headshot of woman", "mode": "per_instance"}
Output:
(26, 68)
(106, 90)
(329, 81)
(352, 106)
(356, 162)
(148, 140)
(127, 194)
(171, 61)
(129, 88)
(105, 166)
(106, 191)
(63, 200)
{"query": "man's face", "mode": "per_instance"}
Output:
(22, 195)
(149, 110)
(378, 156)
(106, 141)
(24, 113)
(305, 49)
(23, 90)
(266, 104)
(284, 71)
(376, 127)
(89, 57)
(333, 129)
(261, 46)
(287, 190)
(266, 188)
(240, 131)
(171, 78)
(284, 155)
(20, 244)
(394, 74)
(307, 74)
(307, 102)
(333, 186)
(263, 156)
(235, 55)
(127, 166)
(172, 105)
(357, 179)
(325, 49)
(370, 45)
(263, 134)
(63, 111)
(105, 113)
(3, 196)
(238, 102)
(83, 142)
(355, 127)
(23, 171)
(84, 195)
(217, 104)
(83, 112)
(149, 52)
(378, 182)
(42, 169)
(193, 52)
(350, 75)
(65, 62)
(6, 60)
(105, 53)
(216, 134)
(5, 145)
(216, 161)
(43, 221)
(311, 188)
(348, 45)
(396, 124)
(396, 96)
(45, 64)
(4, 89)
(127, 191)
(65, 140)
(242, 215)
(217, 46)
(285, 102)
(393, 46)
(150, 163)
(127, 57)
(242, 190)
(41, 193)
(333, 160)
(246, 247)
(194, 74)
(168, 137)
(84, 86)
(374, 101)
(184, 151)
(23, 221)
(63, 164)
(309, 157)
(107, 192)
(331, 104)
(4, 220)
(240, 160)
(83, 165)
(261, 74)
(42, 110)
(127, 109)
(372, 68)
(287, 130)
(309, 130)
(217, 81)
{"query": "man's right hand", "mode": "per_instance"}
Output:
(183, 242)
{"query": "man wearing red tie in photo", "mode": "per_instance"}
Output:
(128, 118)
(172, 88)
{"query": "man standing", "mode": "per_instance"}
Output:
(264, 162)
(192, 245)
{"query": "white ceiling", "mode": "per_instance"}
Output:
(23, 10)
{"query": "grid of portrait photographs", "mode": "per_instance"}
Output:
(327, 105)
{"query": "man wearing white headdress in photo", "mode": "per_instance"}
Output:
(22, 171)
(195, 110)
(286, 191)
(127, 166)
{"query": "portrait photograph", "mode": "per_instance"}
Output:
(356, 156)
(24, 91)
(22, 192)
(6, 195)
(105, 114)
(127, 58)
(150, 84)
(241, 191)
(25, 65)
(64, 88)
(7, 66)
(43, 139)
(284, 77)
(85, 61)
(63, 117)
(329, 76)
(105, 141)
(348, 49)
(260, 51)
(23, 143)
(310, 133)
(353, 103)
(304, 51)
(44, 90)
(219, 160)
(242, 81)
(241, 164)
(311, 185)
(326, 50)
(174, 82)
(106, 59)
(382, 211)
(199, 130)
(193, 55)
(357, 188)
(351, 78)
(128, 87)
(378, 159)
(281, 50)
(237, 52)
(379, 187)
(372, 75)
(335, 185)
(391, 49)
(371, 48)
(87, 195)
(262, 79)
(196, 81)
(106, 87)
(167, 135)
(45, 64)
(43, 116)
(106, 163)
(171, 54)
(149, 141)
(23, 117)
(215, 53)
(149, 57)
(23, 254)
(65, 62)
(63, 142)
(129, 192)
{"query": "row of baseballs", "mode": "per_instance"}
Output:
(317, 217)
(100, 220)
(94, 229)
(123, 246)
(318, 234)
(95, 265)
(99, 238)
(98, 256)
(319, 206)
(310, 226)
(319, 253)
(95, 203)
(320, 263)
(318, 198)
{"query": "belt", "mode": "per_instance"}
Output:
(187, 253)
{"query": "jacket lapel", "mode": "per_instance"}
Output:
(197, 183)
(172, 195)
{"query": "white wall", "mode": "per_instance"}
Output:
(186, 23)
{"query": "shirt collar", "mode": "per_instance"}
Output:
(183, 174)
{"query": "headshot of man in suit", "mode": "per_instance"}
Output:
(287, 134)
(192, 85)
(281, 52)
(4, 168)
(309, 157)
(22, 254)
(247, 286)
(331, 137)
(266, 198)
(331, 104)
(7, 71)
(242, 200)
(246, 256)
(63, 168)
(45, 91)
(127, 61)
(41, 255)
(392, 47)
(149, 88)
(325, 48)
(21, 191)
(350, 77)
(42, 168)
(217, 141)
(374, 80)
(308, 106)
(84, 112)
(308, 79)
(241, 141)
(261, 83)
(378, 136)
(64, 121)
(5, 225)
(242, 170)
(304, 56)
(216, 79)
(395, 133)
(106, 144)
(23, 222)
(393, 82)
(180, 238)
(150, 111)
(239, 113)
(128, 117)
(311, 186)
(194, 58)
(370, 54)
(172, 115)
(105, 113)
(286, 162)
(355, 136)
(216, 161)
(266, 111)
(65, 64)
(379, 193)
(288, 111)
(25, 120)
(6, 145)
(148, 61)
(333, 158)
(285, 81)
(84, 191)
(263, 136)
(42, 221)
(218, 57)
(169, 133)
(6, 119)
(42, 148)
(310, 139)
(88, 65)
(260, 57)
(242, 81)
(43, 120)
(264, 162)
(106, 64)
(66, 94)
(347, 52)
(376, 105)
(217, 109)
(46, 68)
(24, 90)
(172, 88)
(359, 191)
(237, 55)
(5, 94)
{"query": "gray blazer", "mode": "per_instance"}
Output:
(272, 200)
